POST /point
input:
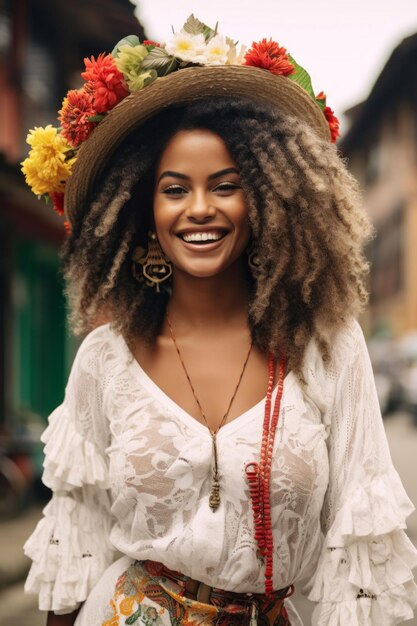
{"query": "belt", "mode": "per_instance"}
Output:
(197, 590)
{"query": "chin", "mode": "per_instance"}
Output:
(200, 271)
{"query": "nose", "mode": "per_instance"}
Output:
(199, 208)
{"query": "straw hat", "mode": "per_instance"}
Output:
(187, 85)
(137, 80)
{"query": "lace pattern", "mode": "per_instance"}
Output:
(143, 465)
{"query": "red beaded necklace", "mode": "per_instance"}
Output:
(259, 474)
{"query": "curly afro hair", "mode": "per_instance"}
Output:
(306, 216)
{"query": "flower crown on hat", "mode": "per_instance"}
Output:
(130, 67)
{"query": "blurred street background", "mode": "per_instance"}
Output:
(42, 44)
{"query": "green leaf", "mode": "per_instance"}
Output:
(193, 26)
(130, 40)
(159, 60)
(209, 33)
(321, 103)
(96, 118)
(301, 77)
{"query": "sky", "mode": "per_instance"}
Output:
(343, 45)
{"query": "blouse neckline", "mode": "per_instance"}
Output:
(162, 398)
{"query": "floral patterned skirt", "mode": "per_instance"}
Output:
(148, 594)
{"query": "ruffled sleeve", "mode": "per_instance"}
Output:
(70, 546)
(364, 574)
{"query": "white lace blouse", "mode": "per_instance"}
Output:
(131, 472)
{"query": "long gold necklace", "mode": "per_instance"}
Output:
(214, 499)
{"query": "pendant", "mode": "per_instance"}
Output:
(214, 499)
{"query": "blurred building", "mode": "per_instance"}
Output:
(42, 45)
(381, 146)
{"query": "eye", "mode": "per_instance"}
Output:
(174, 190)
(226, 187)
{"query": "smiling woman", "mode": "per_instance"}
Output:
(222, 431)
(200, 214)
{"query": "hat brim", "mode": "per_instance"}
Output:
(186, 85)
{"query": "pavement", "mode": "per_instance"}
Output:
(20, 609)
(16, 607)
(14, 565)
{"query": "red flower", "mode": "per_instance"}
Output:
(270, 56)
(331, 118)
(148, 42)
(68, 228)
(106, 80)
(58, 202)
(333, 123)
(74, 115)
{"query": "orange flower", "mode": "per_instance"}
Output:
(58, 202)
(77, 108)
(333, 123)
(148, 42)
(270, 56)
(106, 81)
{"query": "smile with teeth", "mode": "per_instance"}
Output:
(203, 237)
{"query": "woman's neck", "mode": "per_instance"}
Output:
(198, 303)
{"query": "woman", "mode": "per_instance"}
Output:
(222, 433)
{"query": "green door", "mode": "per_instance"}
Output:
(40, 337)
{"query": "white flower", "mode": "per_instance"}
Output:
(217, 51)
(233, 58)
(187, 47)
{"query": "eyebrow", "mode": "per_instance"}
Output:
(227, 170)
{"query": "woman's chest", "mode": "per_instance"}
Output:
(161, 457)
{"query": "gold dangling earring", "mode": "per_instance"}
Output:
(156, 268)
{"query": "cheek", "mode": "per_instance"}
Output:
(242, 223)
(162, 217)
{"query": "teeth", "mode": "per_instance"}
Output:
(191, 237)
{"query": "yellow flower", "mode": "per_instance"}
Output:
(217, 51)
(49, 162)
(129, 60)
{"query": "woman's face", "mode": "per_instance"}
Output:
(199, 207)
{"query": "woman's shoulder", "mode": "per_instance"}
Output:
(100, 349)
(342, 341)
(321, 376)
(345, 342)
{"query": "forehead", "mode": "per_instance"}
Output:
(195, 148)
